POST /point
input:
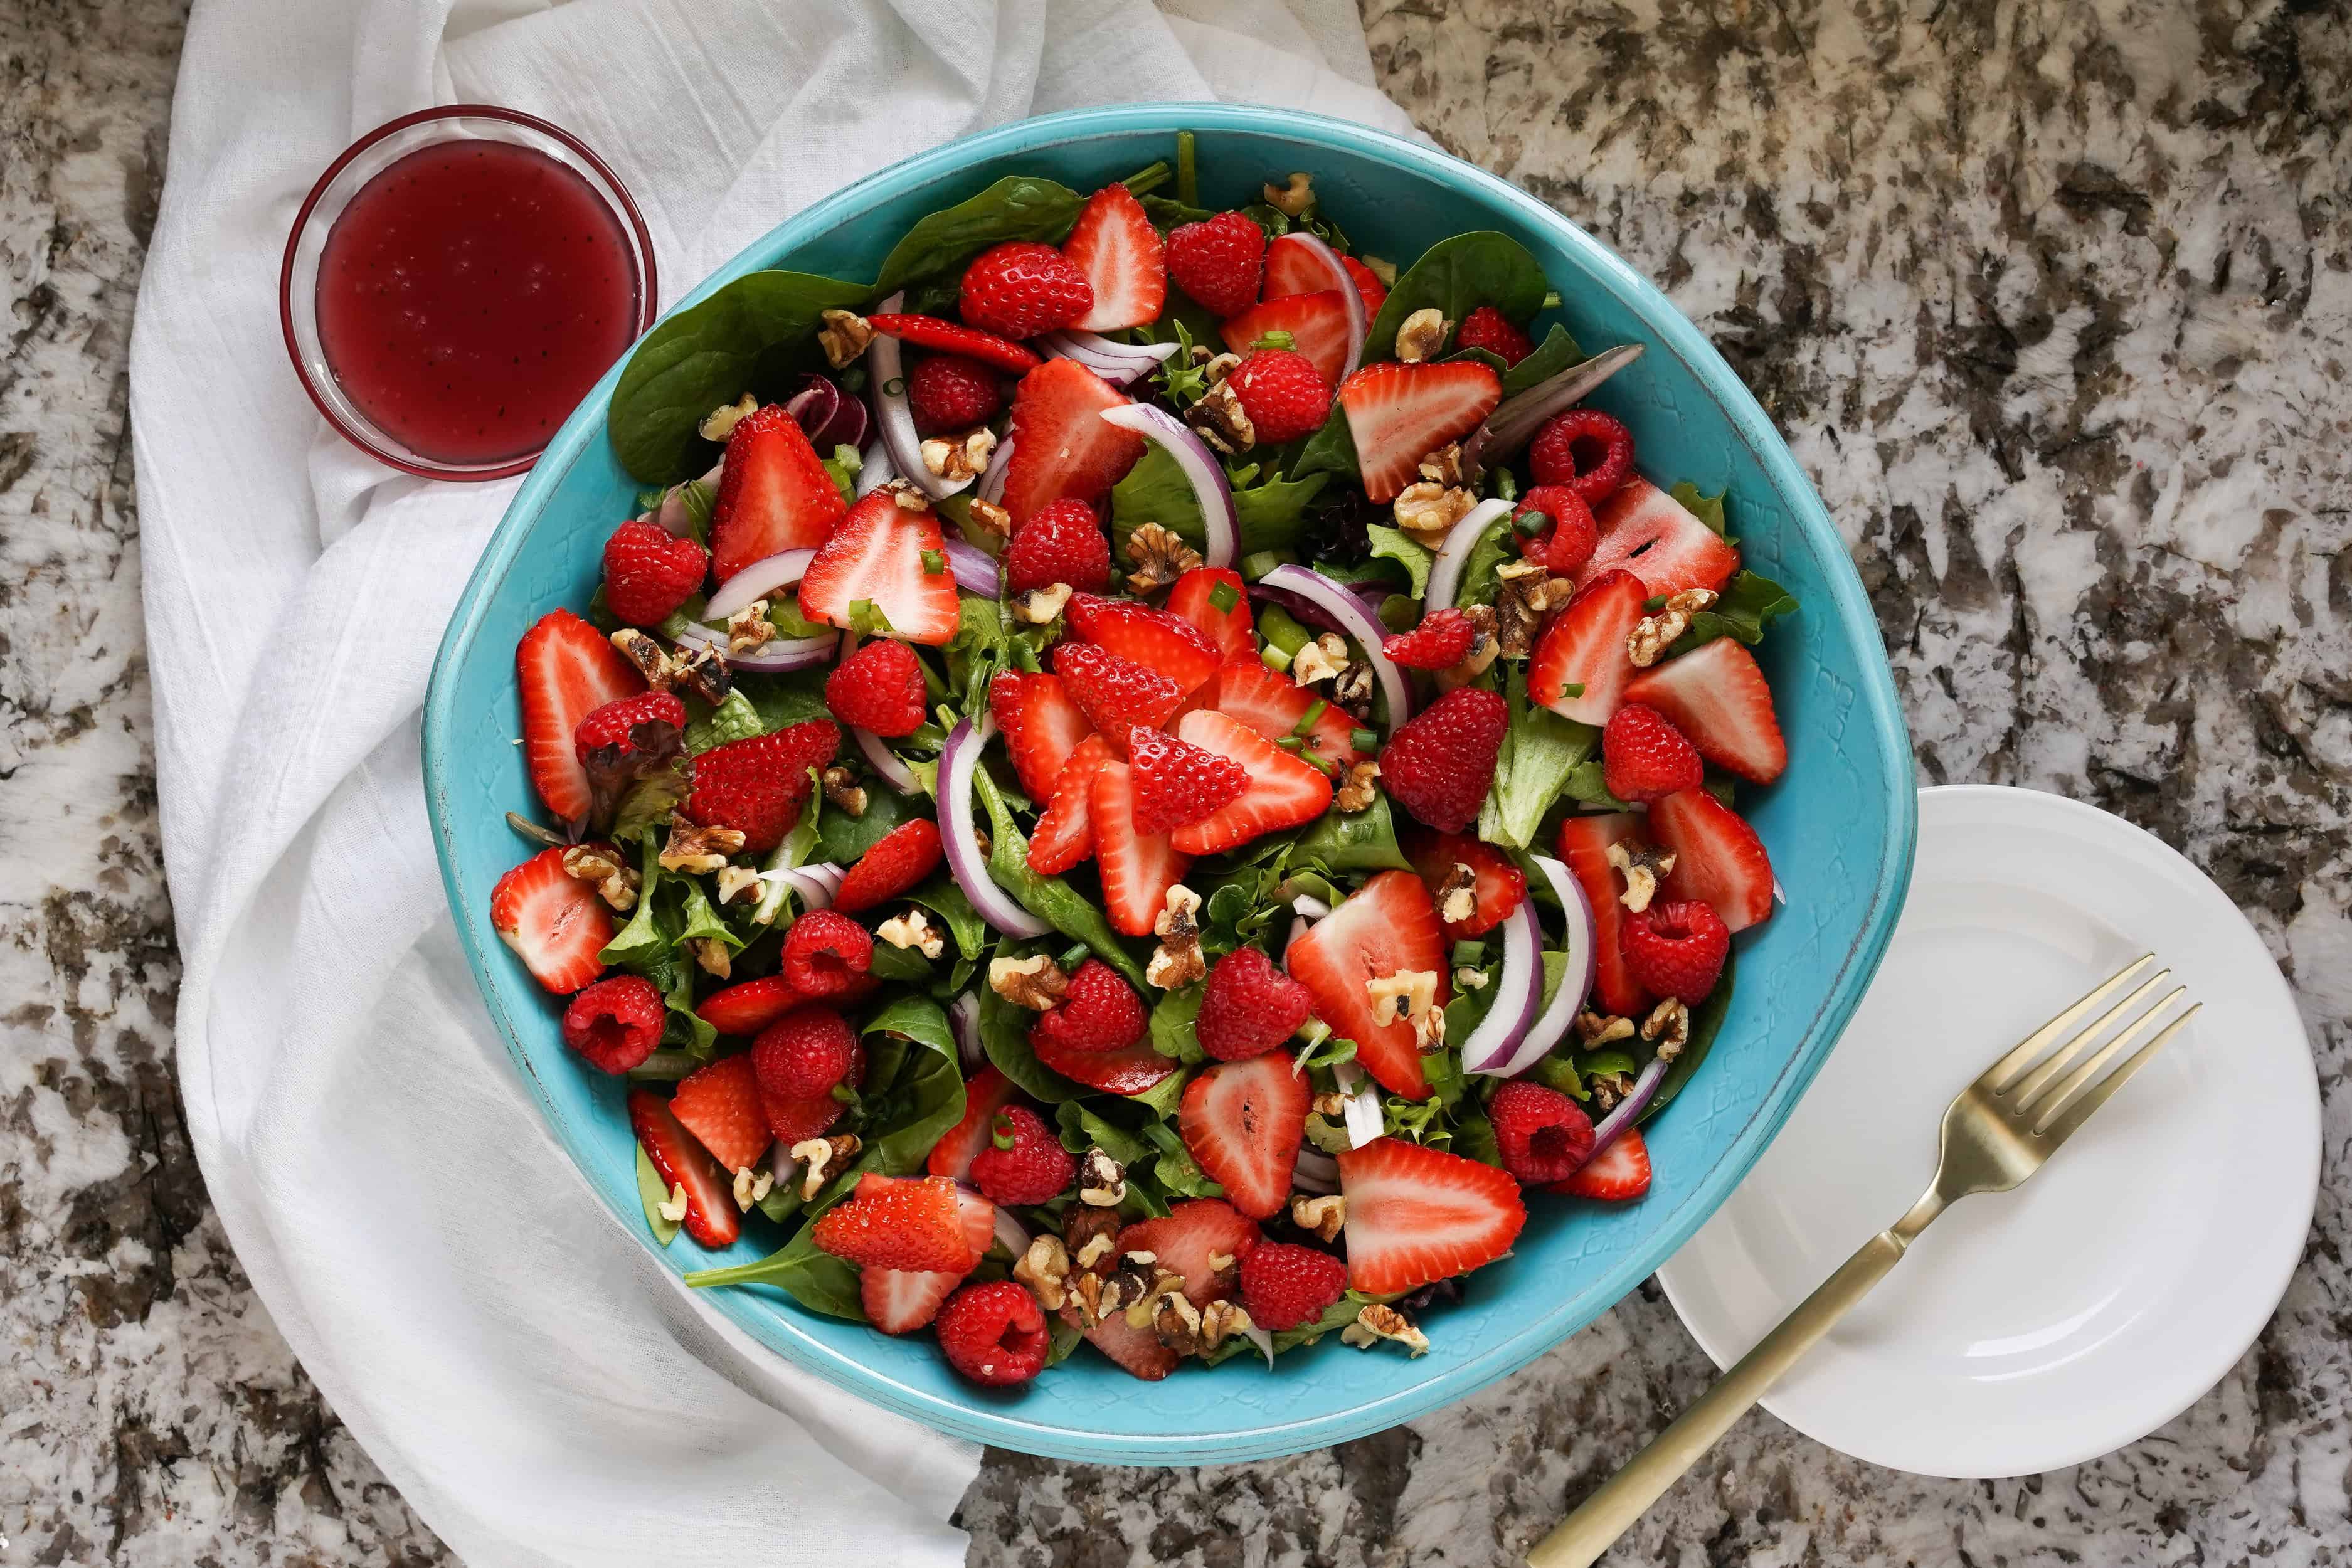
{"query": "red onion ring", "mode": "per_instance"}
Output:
(1200, 469)
(758, 581)
(1121, 364)
(769, 658)
(963, 1014)
(829, 418)
(887, 366)
(1360, 324)
(991, 482)
(1009, 1232)
(886, 761)
(1354, 620)
(974, 568)
(1629, 1109)
(1315, 1172)
(815, 884)
(1583, 956)
(1493, 1045)
(1364, 1119)
(966, 864)
(1454, 555)
(875, 469)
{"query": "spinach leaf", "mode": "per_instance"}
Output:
(1004, 1037)
(918, 1018)
(1330, 450)
(803, 1270)
(1175, 1170)
(1707, 1022)
(1050, 899)
(705, 356)
(1750, 600)
(1272, 513)
(1456, 275)
(944, 898)
(733, 719)
(1395, 544)
(846, 839)
(1173, 1019)
(1082, 1129)
(902, 964)
(1541, 749)
(784, 700)
(1018, 207)
(1167, 212)
(1556, 353)
(1363, 842)
(652, 1195)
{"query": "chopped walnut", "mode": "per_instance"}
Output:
(1160, 556)
(617, 880)
(1668, 1025)
(1377, 1322)
(750, 1187)
(1220, 420)
(1097, 1297)
(1428, 511)
(960, 457)
(734, 881)
(1524, 596)
(1321, 659)
(1038, 607)
(844, 336)
(1102, 1181)
(1357, 791)
(1457, 896)
(673, 1207)
(1330, 1102)
(1654, 634)
(721, 421)
(1095, 1249)
(1220, 1321)
(1177, 960)
(695, 850)
(1092, 1236)
(1214, 367)
(1409, 993)
(1175, 1320)
(659, 670)
(716, 959)
(1484, 649)
(1446, 466)
(907, 495)
(1351, 688)
(1599, 1029)
(1641, 869)
(749, 629)
(1609, 1087)
(1141, 1282)
(1036, 981)
(1293, 197)
(1045, 1269)
(1423, 336)
(913, 929)
(842, 789)
(1325, 1215)
(985, 516)
(1470, 979)
(822, 1159)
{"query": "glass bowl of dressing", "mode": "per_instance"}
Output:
(455, 284)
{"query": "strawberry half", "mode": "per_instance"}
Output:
(912, 1223)
(1229, 629)
(681, 1161)
(1318, 325)
(953, 338)
(1497, 890)
(1042, 726)
(1137, 870)
(1141, 634)
(989, 1092)
(565, 670)
(877, 554)
(720, 1104)
(1584, 844)
(751, 1006)
(554, 922)
(1065, 833)
(1294, 267)
(1273, 705)
(1585, 645)
(1114, 694)
(1719, 859)
(1417, 1215)
(1648, 533)
(1129, 1070)
(1062, 446)
(900, 1300)
(1281, 791)
(1135, 1351)
(1618, 1173)
(1242, 1123)
(1177, 784)
(1399, 413)
(1113, 244)
(1190, 1239)
(1717, 697)
(1388, 929)
(773, 494)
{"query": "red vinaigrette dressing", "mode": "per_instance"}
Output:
(469, 296)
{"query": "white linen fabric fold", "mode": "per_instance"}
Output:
(540, 1389)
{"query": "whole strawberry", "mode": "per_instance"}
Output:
(1285, 1284)
(1177, 783)
(757, 786)
(1440, 761)
(1487, 328)
(878, 688)
(1063, 542)
(1645, 758)
(1021, 289)
(1442, 640)
(951, 391)
(615, 1022)
(825, 953)
(649, 571)
(1542, 1134)
(1249, 1006)
(905, 855)
(1676, 949)
(1024, 1161)
(994, 1333)
(1219, 261)
(1100, 1012)
(1283, 394)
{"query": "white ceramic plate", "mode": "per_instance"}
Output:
(2036, 1329)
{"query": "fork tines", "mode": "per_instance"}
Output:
(2022, 1082)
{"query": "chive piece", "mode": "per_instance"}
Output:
(1507, 484)
(1364, 740)
(1290, 742)
(1306, 725)
(1274, 339)
(1654, 602)
(1258, 562)
(1274, 658)
(1188, 172)
(1072, 956)
(895, 386)
(1469, 954)
(1552, 300)
(1321, 767)
(1224, 596)
(999, 1131)
(1572, 688)
(935, 561)
(1529, 523)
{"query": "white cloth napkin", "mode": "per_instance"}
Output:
(535, 1386)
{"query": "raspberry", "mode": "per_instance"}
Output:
(1676, 949)
(1586, 450)
(1283, 394)
(825, 953)
(905, 855)
(1442, 640)
(1542, 1134)
(1100, 1012)
(616, 725)
(1573, 537)
(1219, 261)
(804, 1054)
(994, 1333)
(1062, 544)
(1249, 1006)
(1645, 758)
(1024, 1162)
(1440, 761)
(1019, 288)
(949, 392)
(615, 1022)
(649, 571)
(1487, 328)
(1285, 1284)
(878, 688)
(1177, 783)
(758, 784)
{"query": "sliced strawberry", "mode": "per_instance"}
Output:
(1648, 533)
(877, 554)
(1274, 704)
(1141, 634)
(1203, 1239)
(1114, 694)
(1062, 446)
(1584, 844)
(900, 1300)
(1177, 784)
(773, 494)
(1135, 1351)
(975, 1213)
(1585, 645)
(1620, 1171)
(1317, 323)
(1417, 1215)
(1717, 697)
(720, 1104)
(1295, 267)
(989, 1092)
(954, 337)
(1129, 1070)
(554, 922)
(1113, 244)
(1282, 790)
(750, 1005)
(1042, 726)
(1390, 928)
(1227, 625)
(913, 1223)
(1399, 413)
(1719, 859)
(1137, 872)
(1242, 1123)
(565, 670)
(1066, 833)
(681, 1161)
(1499, 888)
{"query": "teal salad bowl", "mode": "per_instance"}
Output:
(1840, 824)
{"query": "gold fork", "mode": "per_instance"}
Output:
(1996, 1133)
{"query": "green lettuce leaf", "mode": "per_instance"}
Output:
(651, 1195)
(1271, 512)
(733, 719)
(1395, 544)
(1540, 750)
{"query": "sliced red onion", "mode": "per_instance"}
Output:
(1492, 1046)
(887, 365)
(1121, 364)
(1263, 1341)
(815, 884)
(772, 658)
(1515, 424)
(991, 482)
(1297, 929)
(758, 581)
(829, 418)
(1779, 895)
(1202, 471)
(1309, 907)
(1305, 612)
(1357, 623)
(1629, 1109)
(886, 761)
(963, 1015)
(1454, 555)
(1358, 323)
(1010, 1233)
(1363, 1113)
(781, 1163)
(671, 515)
(1315, 1172)
(966, 864)
(1576, 986)
(974, 568)
(875, 469)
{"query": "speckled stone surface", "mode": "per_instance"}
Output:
(2054, 301)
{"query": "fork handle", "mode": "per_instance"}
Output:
(1609, 1513)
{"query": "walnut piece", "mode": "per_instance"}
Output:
(1668, 1025)
(1470, 980)
(960, 457)
(984, 516)
(1351, 688)
(1293, 197)
(1102, 1181)
(1096, 1248)
(694, 848)
(1376, 1322)
(1599, 1029)
(1321, 659)
(734, 881)
(1484, 649)
(1045, 1269)
(1214, 367)
(1655, 633)
(673, 1207)
(702, 670)
(1524, 596)
(1412, 995)
(1038, 607)
(749, 629)
(842, 789)
(721, 421)
(907, 495)
(1160, 556)
(821, 1159)
(1174, 1319)
(1428, 511)
(844, 336)
(1609, 1087)
(1423, 336)
(1325, 1215)
(648, 655)
(913, 929)
(1177, 960)
(1218, 419)
(1457, 896)
(1036, 981)
(1446, 467)
(1357, 791)
(1642, 869)
(617, 880)
(750, 1187)
(716, 959)
(1220, 1321)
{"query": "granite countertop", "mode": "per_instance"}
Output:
(2053, 301)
